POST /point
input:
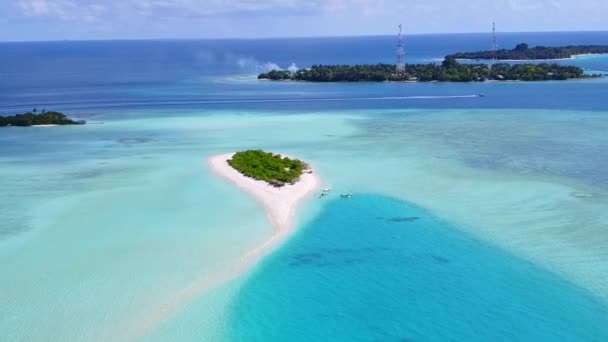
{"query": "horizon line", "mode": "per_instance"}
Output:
(284, 37)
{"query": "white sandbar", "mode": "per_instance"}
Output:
(280, 204)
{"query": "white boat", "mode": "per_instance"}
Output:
(326, 190)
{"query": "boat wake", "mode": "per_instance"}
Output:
(203, 102)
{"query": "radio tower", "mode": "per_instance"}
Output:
(494, 46)
(400, 71)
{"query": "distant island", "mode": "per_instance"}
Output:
(450, 70)
(523, 52)
(44, 118)
(269, 167)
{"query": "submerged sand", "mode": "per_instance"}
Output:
(280, 205)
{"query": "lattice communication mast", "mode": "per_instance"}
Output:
(494, 45)
(400, 71)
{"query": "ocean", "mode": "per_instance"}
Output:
(473, 218)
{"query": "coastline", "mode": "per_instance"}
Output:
(280, 204)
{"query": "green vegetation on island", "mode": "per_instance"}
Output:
(44, 118)
(269, 167)
(524, 52)
(448, 71)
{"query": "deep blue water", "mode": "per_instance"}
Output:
(374, 268)
(83, 77)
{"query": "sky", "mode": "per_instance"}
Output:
(26, 20)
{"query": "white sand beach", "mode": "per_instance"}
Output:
(280, 204)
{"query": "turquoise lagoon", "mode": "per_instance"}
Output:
(377, 269)
(473, 218)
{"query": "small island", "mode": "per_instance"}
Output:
(450, 70)
(279, 183)
(269, 167)
(522, 52)
(43, 119)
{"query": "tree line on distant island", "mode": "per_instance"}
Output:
(448, 71)
(453, 71)
(524, 52)
(32, 119)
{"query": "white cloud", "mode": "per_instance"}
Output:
(269, 66)
(36, 7)
(62, 9)
(246, 62)
(280, 18)
(69, 9)
(292, 68)
(406, 9)
(250, 64)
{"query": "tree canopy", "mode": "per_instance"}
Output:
(523, 52)
(449, 71)
(269, 167)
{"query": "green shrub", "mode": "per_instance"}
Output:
(448, 71)
(269, 167)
